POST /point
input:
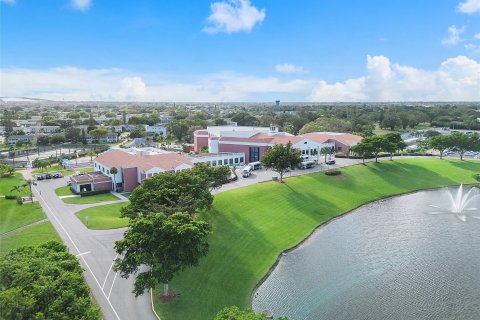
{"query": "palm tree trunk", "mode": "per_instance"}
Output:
(165, 289)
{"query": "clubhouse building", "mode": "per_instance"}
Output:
(254, 141)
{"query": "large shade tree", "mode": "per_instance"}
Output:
(393, 143)
(164, 244)
(438, 142)
(44, 282)
(215, 177)
(282, 158)
(182, 191)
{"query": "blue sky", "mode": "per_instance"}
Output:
(240, 50)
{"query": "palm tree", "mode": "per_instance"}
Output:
(114, 171)
(91, 154)
(17, 189)
(29, 183)
(326, 151)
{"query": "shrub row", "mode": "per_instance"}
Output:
(333, 172)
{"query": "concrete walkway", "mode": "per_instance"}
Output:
(9, 233)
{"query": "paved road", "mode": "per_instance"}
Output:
(94, 248)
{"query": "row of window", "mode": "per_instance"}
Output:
(225, 162)
(101, 168)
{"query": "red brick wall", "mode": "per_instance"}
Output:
(240, 148)
(199, 143)
(102, 186)
(129, 179)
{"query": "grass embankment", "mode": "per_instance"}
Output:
(253, 225)
(103, 217)
(13, 215)
(7, 183)
(32, 236)
(103, 197)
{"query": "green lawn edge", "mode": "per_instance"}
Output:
(103, 217)
(247, 239)
(13, 215)
(103, 197)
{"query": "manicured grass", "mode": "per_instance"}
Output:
(32, 236)
(103, 217)
(13, 215)
(91, 199)
(59, 168)
(64, 191)
(253, 225)
(7, 183)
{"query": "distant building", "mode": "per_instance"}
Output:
(277, 103)
(13, 140)
(110, 138)
(255, 141)
(156, 129)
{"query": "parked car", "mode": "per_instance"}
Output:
(40, 177)
(69, 182)
(247, 171)
(330, 161)
(48, 176)
(57, 175)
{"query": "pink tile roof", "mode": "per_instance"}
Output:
(122, 159)
(265, 138)
(201, 132)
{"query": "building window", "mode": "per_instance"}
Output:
(108, 171)
(254, 154)
(339, 148)
(236, 160)
(241, 159)
(214, 163)
(230, 161)
(219, 162)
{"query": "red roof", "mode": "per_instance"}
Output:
(122, 159)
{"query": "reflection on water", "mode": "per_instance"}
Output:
(386, 260)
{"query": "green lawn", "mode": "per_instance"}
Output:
(7, 183)
(64, 191)
(91, 199)
(253, 225)
(59, 168)
(103, 217)
(13, 215)
(32, 236)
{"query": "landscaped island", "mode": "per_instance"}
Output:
(253, 225)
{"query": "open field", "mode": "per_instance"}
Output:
(253, 225)
(13, 216)
(91, 199)
(7, 183)
(103, 217)
(32, 236)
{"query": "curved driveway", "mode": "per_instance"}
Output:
(94, 249)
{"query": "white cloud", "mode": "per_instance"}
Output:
(10, 2)
(68, 83)
(469, 6)
(81, 5)
(233, 16)
(289, 68)
(477, 36)
(453, 36)
(456, 79)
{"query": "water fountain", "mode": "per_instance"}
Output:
(460, 203)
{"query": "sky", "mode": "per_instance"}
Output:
(241, 50)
